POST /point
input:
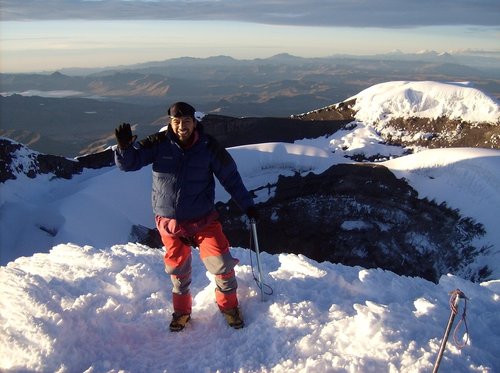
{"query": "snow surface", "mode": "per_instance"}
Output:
(49, 94)
(80, 298)
(427, 99)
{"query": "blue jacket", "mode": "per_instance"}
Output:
(183, 179)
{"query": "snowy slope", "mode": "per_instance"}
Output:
(107, 309)
(99, 304)
(427, 99)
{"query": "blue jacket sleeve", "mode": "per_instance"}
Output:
(134, 157)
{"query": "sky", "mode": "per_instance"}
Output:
(93, 302)
(50, 35)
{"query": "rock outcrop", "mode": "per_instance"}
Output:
(15, 159)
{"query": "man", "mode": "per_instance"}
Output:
(185, 160)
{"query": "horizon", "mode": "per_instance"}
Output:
(95, 34)
(412, 55)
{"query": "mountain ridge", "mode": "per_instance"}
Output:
(279, 86)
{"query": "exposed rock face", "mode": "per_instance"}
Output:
(441, 132)
(363, 215)
(340, 111)
(17, 159)
(231, 131)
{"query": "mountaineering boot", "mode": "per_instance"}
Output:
(234, 318)
(179, 322)
(182, 311)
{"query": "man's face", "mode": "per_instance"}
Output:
(183, 128)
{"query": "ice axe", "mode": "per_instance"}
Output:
(456, 296)
(259, 278)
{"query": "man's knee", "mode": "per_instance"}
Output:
(226, 282)
(180, 275)
(220, 264)
(181, 284)
(178, 268)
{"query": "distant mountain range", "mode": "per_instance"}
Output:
(74, 111)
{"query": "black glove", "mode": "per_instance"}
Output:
(124, 136)
(253, 213)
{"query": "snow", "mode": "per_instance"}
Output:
(425, 99)
(76, 296)
(87, 309)
(49, 94)
(467, 179)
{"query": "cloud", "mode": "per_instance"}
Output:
(349, 13)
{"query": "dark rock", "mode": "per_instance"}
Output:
(17, 159)
(231, 131)
(358, 214)
(97, 160)
(355, 214)
(444, 133)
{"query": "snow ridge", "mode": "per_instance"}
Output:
(426, 99)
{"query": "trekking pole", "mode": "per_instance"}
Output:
(259, 267)
(456, 295)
